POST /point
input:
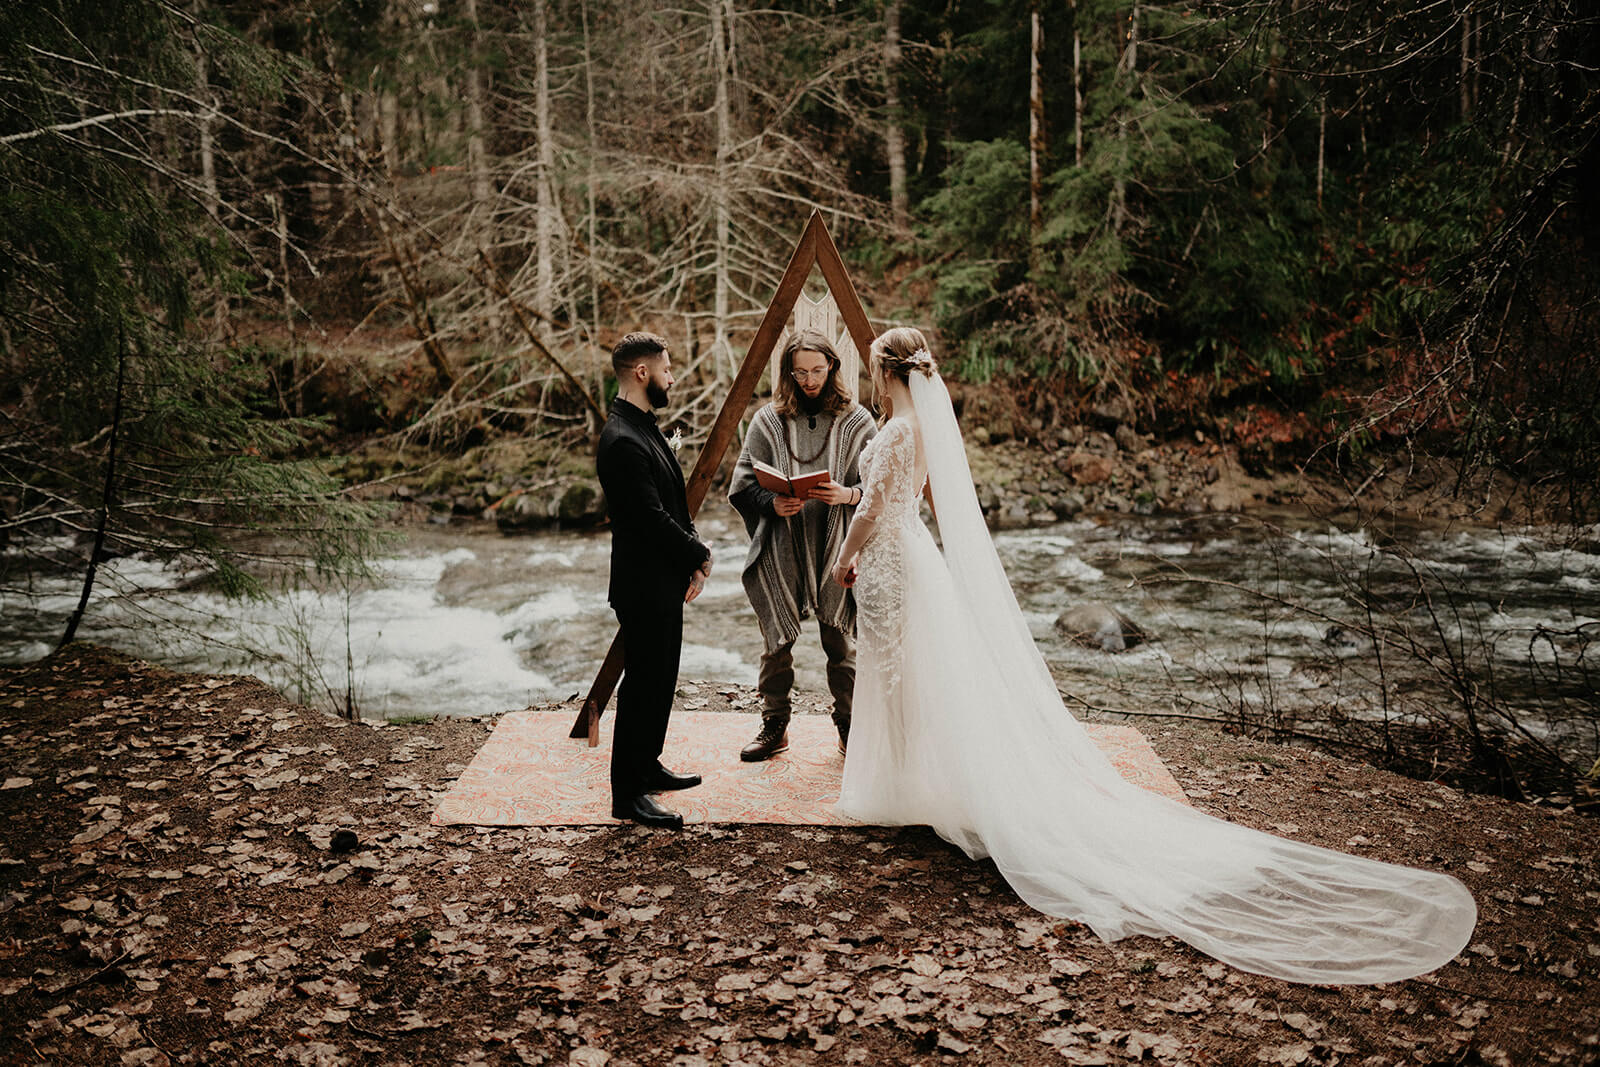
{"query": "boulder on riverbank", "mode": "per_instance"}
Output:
(1100, 626)
(574, 504)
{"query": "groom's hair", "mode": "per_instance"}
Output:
(786, 395)
(634, 347)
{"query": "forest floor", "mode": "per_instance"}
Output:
(196, 870)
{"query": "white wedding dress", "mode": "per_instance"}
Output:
(958, 725)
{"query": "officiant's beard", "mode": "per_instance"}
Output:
(656, 394)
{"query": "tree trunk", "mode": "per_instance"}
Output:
(1036, 130)
(894, 135)
(1077, 89)
(544, 222)
(722, 61)
(480, 228)
(1131, 57)
(98, 548)
(1516, 113)
(208, 167)
(389, 131)
(1466, 67)
(1130, 64)
(593, 258)
(208, 151)
(280, 229)
(1322, 145)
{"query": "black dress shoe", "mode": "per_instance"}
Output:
(773, 739)
(663, 780)
(645, 810)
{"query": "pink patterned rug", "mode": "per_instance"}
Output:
(529, 773)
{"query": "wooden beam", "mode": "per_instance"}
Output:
(843, 290)
(755, 361)
(588, 724)
(815, 247)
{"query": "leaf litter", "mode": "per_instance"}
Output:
(195, 869)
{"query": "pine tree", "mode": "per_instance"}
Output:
(123, 423)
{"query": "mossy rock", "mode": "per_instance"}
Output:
(580, 505)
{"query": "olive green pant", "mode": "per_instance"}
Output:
(777, 677)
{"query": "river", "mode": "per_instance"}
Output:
(1247, 613)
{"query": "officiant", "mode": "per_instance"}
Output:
(812, 423)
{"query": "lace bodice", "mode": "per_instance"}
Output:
(892, 479)
(891, 486)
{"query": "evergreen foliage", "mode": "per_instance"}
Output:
(1374, 212)
(107, 245)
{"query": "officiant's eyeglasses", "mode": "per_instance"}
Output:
(807, 375)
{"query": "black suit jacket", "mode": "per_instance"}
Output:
(654, 546)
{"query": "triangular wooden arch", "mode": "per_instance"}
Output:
(815, 248)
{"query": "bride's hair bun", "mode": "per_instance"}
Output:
(902, 351)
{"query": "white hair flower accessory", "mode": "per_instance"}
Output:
(675, 442)
(920, 358)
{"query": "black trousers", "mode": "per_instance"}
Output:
(652, 639)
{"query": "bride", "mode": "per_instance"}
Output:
(959, 726)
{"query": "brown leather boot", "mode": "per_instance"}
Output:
(773, 739)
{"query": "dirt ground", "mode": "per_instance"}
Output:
(196, 870)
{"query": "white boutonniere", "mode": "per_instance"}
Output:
(675, 442)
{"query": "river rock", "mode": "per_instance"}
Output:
(524, 511)
(1013, 516)
(1226, 497)
(581, 505)
(1100, 626)
(1111, 411)
(1067, 505)
(1087, 468)
(1343, 641)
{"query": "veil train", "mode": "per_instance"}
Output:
(1028, 787)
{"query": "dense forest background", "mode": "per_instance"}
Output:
(239, 240)
(232, 232)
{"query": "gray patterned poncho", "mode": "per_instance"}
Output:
(786, 570)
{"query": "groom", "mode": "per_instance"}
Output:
(658, 564)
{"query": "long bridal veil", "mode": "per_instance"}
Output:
(1077, 841)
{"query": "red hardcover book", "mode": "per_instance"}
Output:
(799, 486)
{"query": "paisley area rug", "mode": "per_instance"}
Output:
(529, 773)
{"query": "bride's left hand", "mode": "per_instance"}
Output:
(844, 572)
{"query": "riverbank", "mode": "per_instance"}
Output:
(196, 869)
(530, 483)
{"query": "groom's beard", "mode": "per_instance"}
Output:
(656, 394)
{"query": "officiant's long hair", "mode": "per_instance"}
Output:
(786, 394)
